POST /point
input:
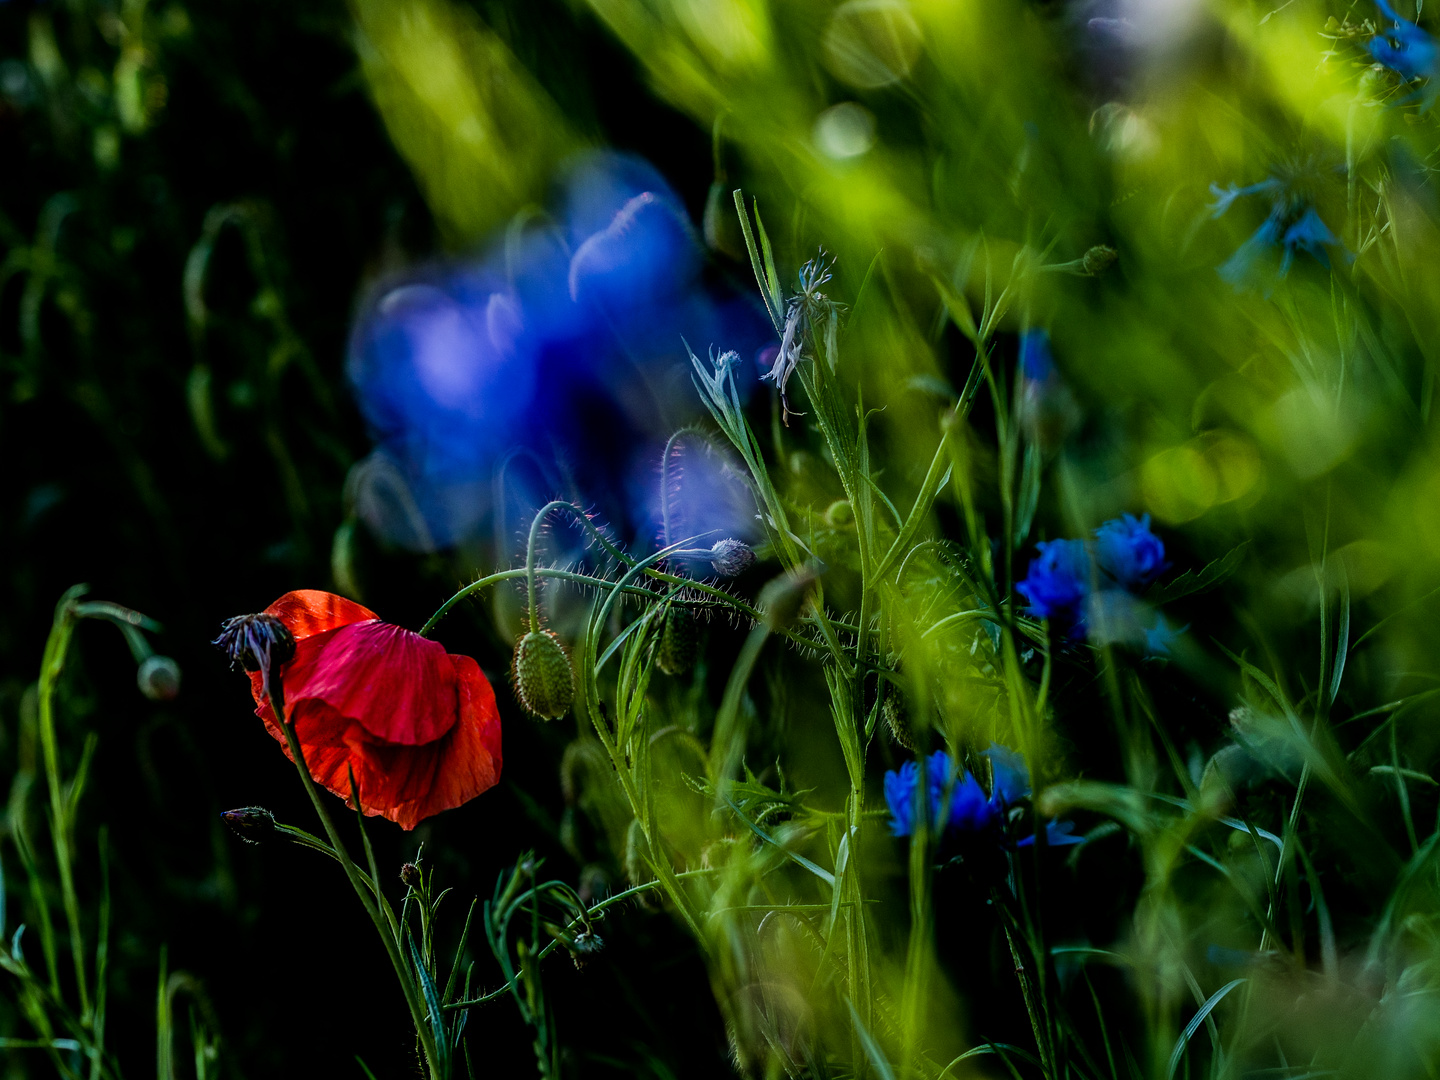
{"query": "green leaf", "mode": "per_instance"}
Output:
(432, 1004)
(1196, 1021)
(878, 1060)
(1192, 581)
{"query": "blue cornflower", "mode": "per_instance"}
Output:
(1405, 49)
(968, 808)
(1293, 225)
(1129, 552)
(1058, 580)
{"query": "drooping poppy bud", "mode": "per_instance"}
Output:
(731, 558)
(896, 712)
(251, 823)
(158, 678)
(544, 680)
(583, 946)
(418, 727)
(679, 641)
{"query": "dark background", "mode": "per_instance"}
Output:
(106, 480)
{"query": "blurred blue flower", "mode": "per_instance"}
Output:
(1293, 225)
(1009, 776)
(1058, 580)
(1036, 363)
(1405, 48)
(1161, 636)
(1129, 552)
(551, 364)
(1057, 834)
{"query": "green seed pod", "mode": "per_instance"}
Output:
(679, 641)
(896, 712)
(543, 678)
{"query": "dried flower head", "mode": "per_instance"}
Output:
(256, 642)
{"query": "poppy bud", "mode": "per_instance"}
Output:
(585, 945)
(410, 875)
(543, 678)
(158, 678)
(679, 641)
(731, 558)
(1097, 260)
(839, 514)
(896, 712)
(251, 823)
(256, 642)
(785, 597)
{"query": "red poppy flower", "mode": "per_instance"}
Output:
(418, 725)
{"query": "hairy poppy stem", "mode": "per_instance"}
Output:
(275, 692)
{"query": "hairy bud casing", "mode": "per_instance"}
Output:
(544, 680)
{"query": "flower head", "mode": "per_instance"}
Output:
(1293, 224)
(1129, 552)
(552, 362)
(1405, 48)
(1058, 580)
(967, 809)
(417, 726)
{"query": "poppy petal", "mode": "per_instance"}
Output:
(397, 685)
(405, 784)
(310, 611)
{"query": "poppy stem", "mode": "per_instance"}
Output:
(274, 691)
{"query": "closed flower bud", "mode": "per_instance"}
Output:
(839, 514)
(896, 712)
(783, 600)
(410, 875)
(158, 678)
(251, 823)
(679, 641)
(731, 558)
(1098, 259)
(585, 945)
(544, 680)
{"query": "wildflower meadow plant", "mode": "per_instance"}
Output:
(951, 630)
